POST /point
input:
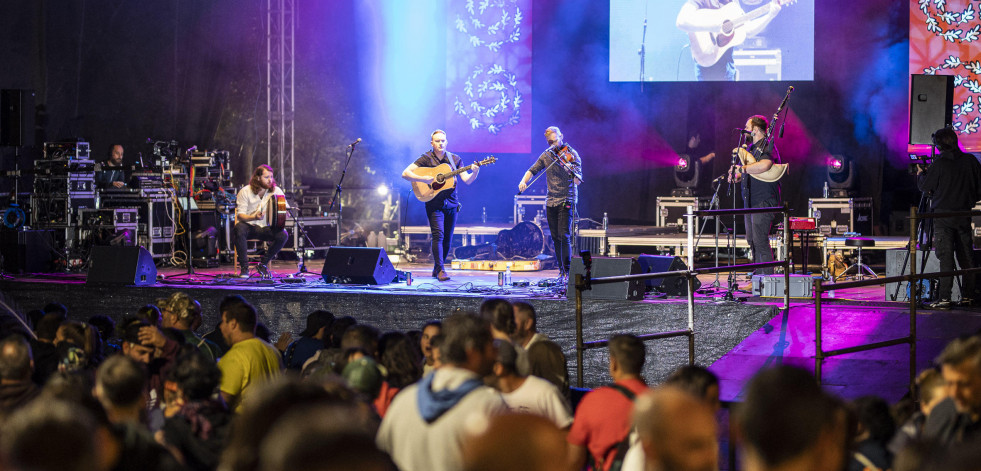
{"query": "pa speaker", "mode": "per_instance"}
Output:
(357, 265)
(603, 267)
(897, 264)
(16, 117)
(931, 106)
(672, 285)
(118, 265)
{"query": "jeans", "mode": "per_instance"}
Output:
(758, 236)
(441, 224)
(560, 226)
(952, 237)
(245, 231)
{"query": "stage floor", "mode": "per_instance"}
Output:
(734, 339)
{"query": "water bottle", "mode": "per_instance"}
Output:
(825, 189)
(483, 218)
(507, 275)
(606, 221)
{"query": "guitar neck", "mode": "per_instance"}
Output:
(752, 15)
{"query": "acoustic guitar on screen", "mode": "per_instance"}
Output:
(708, 47)
(445, 178)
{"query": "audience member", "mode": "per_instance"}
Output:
(676, 431)
(500, 314)
(107, 329)
(546, 361)
(250, 360)
(78, 345)
(526, 326)
(199, 430)
(337, 330)
(216, 337)
(602, 419)
(402, 364)
(699, 382)
(527, 394)
(429, 330)
(874, 429)
(361, 337)
(56, 308)
(957, 419)
(119, 385)
(44, 350)
(50, 435)
(932, 390)
(425, 425)
(516, 442)
(436, 344)
(180, 312)
(146, 344)
(310, 342)
(151, 312)
(787, 423)
(16, 368)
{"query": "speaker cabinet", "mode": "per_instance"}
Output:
(121, 266)
(895, 266)
(931, 106)
(27, 251)
(358, 266)
(603, 267)
(16, 117)
(673, 285)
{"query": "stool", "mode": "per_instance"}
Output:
(859, 267)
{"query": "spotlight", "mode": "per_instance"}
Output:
(686, 176)
(382, 190)
(841, 176)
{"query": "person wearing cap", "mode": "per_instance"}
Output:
(181, 312)
(310, 342)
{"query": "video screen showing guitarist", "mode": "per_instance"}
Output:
(715, 27)
(563, 175)
(252, 221)
(757, 193)
(444, 205)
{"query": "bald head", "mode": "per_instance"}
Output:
(677, 430)
(16, 363)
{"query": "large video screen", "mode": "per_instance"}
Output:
(711, 40)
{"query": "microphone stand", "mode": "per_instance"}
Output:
(642, 52)
(338, 189)
(301, 267)
(713, 204)
(731, 235)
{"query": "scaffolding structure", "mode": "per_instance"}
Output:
(280, 81)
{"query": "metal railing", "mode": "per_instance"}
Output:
(582, 283)
(914, 298)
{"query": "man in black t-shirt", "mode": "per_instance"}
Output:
(758, 193)
(709, 47)
(442, 209)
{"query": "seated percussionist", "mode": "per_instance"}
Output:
(250, 220)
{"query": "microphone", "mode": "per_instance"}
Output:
(140, 154)
(192, 149)
(785, 98)
(355, 143)
(742, 131)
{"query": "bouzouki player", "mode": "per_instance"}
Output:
(251, 221)
(758, 193)
(442, 209)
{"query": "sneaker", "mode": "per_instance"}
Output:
(244, 273)
(263, 270)
(442, 276)
(943, 305)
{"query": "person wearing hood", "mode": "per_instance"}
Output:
(425, 426)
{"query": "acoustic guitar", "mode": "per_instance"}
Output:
(708, 47)
(445, 178)
(775, 172)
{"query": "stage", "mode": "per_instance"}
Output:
(734, 339)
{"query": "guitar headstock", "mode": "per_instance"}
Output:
(488, 160)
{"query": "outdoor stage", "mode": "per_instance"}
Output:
(734, 339)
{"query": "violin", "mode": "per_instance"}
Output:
(564, 156)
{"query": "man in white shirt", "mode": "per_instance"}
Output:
(528, 394)
(427, 424)
(251, 222)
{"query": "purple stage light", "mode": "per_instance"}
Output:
(682, 164)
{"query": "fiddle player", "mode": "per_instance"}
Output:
(442, 209)
(250, 220)
(758, 193)
(563, 175)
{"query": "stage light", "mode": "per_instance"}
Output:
(382, 190)
(686, 176)
(841, 176)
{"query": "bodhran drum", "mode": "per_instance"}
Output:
(276, 212)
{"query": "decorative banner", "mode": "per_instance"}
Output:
(944, 40)
(488, 76)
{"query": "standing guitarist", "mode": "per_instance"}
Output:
(758, 193)
(443, 208)
(703, 20)
(250, 220)
(563, 175)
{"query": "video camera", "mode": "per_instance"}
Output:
(918, 162)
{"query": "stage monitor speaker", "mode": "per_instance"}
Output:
(897, 264)
(672, 285)
(358, 266)
(931, 106)
(603, 267)
(16, 117)
(118, 265)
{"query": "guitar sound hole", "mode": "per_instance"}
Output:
(437, 186)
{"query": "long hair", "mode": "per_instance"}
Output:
(256, 174)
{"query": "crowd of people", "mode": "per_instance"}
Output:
(472, 391)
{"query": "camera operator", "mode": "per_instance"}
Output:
(954, 180)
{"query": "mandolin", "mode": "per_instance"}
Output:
(445, 178)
